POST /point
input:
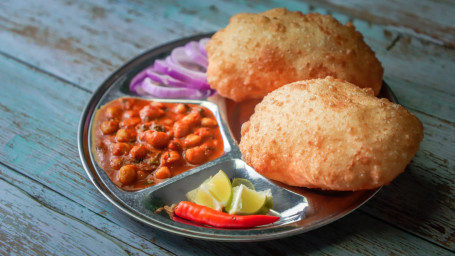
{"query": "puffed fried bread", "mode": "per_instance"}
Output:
(257, 53)
(329, 134)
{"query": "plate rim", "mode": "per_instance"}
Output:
(83, 136)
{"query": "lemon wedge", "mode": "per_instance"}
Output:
(268, 201)
(191, 196)
(220, 187)
(204, 197)
(215, 192)
(246, 201)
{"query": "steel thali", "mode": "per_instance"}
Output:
(300, 209)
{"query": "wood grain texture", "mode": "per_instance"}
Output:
(53, 54)
(32, 228)
(428, 20)
(422, 200)
(62, 44)
(37, 165)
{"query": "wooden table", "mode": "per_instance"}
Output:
(54, 54)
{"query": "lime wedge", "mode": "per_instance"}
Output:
(204, 197)
(268, 198)
(191, 196)
(268, 202)
(246, 201)
(238, 181)
(220, 188)
(215, 192)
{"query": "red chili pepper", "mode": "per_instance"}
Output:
(205, 215)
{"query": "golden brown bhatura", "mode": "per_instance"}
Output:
(257, 53)
(329, 134)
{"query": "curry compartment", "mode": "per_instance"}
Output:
(140, 143)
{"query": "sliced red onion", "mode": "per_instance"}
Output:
(175, 68)
(151, 88)
(164, 79)
(179, 56)
(161, 66)
(180, 75)
(137, 80)
(202, 43)
(170, 68)
(193, 51)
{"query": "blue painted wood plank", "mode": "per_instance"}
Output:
(84, 47)
(425, 191)
(42, 149)
(36, 142)
(29, 227)
(429, 20)
(42, 215)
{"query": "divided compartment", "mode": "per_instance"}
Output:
(288, 205)
(229, 145)
(300, 209)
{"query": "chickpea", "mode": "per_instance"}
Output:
(192, 140)
(149, 112)
(116, 163)
(125, 135)
(192, 119)
(138, 152)
(195, 155)
(170, 157)
(127, 174)
(113, 112)
(130, 123)
(163, 173)
(204, 132)
(208, 122)
(170, 132)
(210, 144)
(167, 121)
(130, 113)
(157, 139)
(181, 129)
(120, 148)
(209, 147)
(128, 103)
(180, 108)
(108, 127)
(141, 175)
(175, 145)
(141, 135)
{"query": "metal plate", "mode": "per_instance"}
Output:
(300, 209)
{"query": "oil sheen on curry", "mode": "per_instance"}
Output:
(140, 143)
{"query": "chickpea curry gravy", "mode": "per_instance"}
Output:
(140, 143)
